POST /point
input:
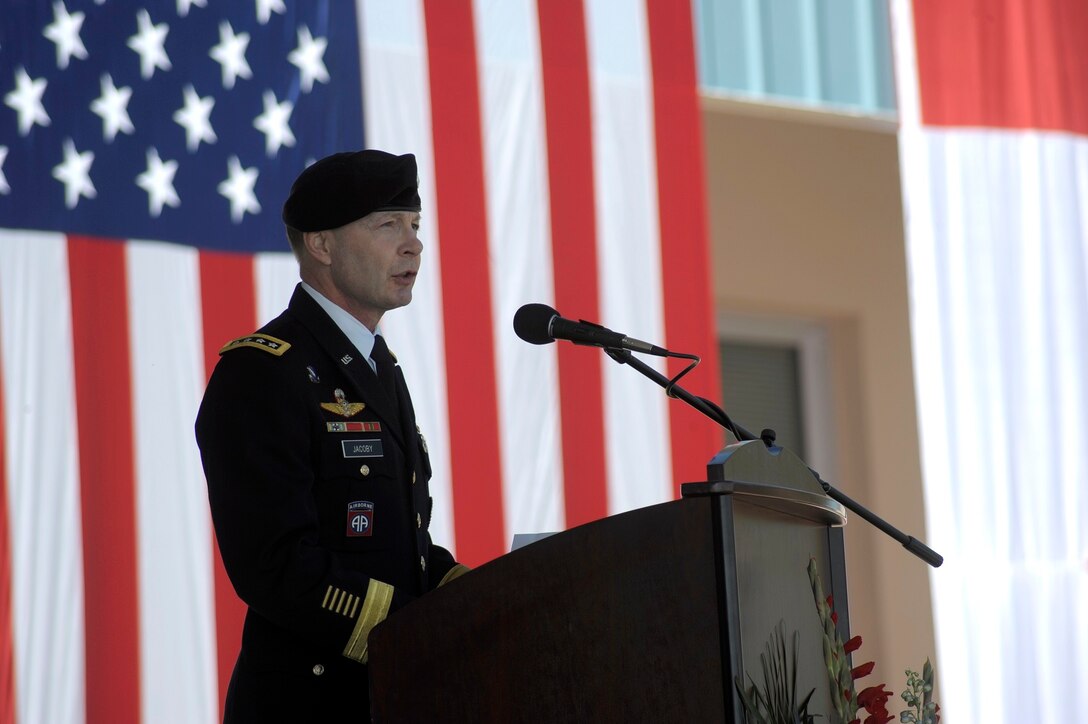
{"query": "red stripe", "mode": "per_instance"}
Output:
(466, 287)
(685, 262)
(103, 374)
(7, 642)
(1003, 63)
(574, 252)
(229, 310)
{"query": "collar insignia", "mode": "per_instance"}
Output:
(342, 406)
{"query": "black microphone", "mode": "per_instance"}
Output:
(540, 324)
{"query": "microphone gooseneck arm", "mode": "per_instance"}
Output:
(703, 405)
(718, 415)
(909, 542)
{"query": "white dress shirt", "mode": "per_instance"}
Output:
(356, 332)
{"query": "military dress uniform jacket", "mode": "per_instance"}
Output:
(318, 484)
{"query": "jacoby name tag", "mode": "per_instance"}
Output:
(362, 448)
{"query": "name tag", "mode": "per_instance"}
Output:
(362, 448)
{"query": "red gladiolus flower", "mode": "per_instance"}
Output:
(873, 696)
(864, 670)
(852, 645)
(874, 700)
(831, 604)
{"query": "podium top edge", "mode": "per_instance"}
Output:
(818, 508)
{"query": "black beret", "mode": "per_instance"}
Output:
(344, 187)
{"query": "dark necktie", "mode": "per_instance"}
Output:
(387, 380)
(383, 360)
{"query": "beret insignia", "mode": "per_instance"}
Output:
(260, 341)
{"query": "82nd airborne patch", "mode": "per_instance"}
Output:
(360, 519)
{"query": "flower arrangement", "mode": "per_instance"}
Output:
(776, 701)
(919, 696)
(873, 700)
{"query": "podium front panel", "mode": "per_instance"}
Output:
(616, 620)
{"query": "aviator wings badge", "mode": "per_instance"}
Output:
(342, 406)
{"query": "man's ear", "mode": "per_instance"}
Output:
(317, 246)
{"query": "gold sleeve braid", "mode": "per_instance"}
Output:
(379, 597)
(340, 601)
(456, 572)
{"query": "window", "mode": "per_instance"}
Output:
(761, 387)
(827, 53)
(776, 373)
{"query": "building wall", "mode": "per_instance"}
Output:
(807, 226)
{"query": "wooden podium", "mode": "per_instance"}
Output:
(644, 616)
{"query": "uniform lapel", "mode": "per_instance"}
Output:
(347, 358)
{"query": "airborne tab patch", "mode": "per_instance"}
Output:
(260, 341)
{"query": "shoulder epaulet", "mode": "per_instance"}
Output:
(260, 341)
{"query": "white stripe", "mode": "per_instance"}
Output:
(41, 442)
(637, 434)
(397, 119)
(998, 297)
(275, 276)
(906, 68)
(173, 531)
(515, 158)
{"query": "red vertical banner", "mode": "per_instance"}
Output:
(685, 255)
(1009, 63)
(7, 641)
(228, 302)
(103, 375)
(569, 130)
(475, 463)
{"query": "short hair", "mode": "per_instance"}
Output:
(295, 238)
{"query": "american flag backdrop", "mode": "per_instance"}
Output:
(994, 154)
(145, 150)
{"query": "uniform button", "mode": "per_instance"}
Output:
(419, 521)
(365, 470)
(413, 477)
(318, 669)
(422, 563)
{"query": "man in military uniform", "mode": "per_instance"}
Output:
(317, 473)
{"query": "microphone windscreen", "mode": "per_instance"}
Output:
(532, 321)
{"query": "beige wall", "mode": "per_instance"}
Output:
(806, 223)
